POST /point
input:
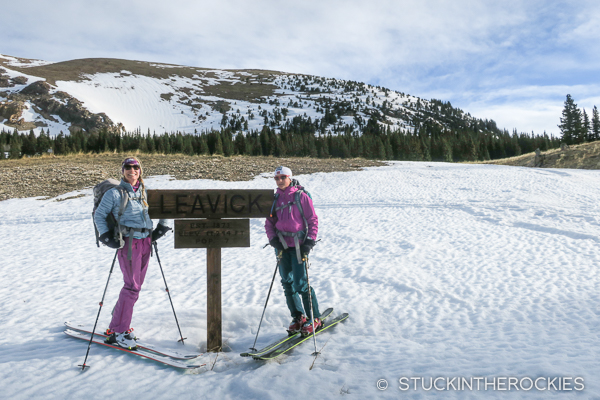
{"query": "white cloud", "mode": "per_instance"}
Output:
(528, 108)
(473, 51)
(537, 116)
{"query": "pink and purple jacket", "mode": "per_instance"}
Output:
(289, 219)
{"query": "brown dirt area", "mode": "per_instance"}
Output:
(53, 176)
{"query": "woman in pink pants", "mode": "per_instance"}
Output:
(137, 229)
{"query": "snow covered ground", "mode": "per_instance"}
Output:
(447, 271)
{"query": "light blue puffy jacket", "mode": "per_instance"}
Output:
(134, 216)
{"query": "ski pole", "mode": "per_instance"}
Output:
(312, 314)
(167, 289)
(83, 366)
(279, 255)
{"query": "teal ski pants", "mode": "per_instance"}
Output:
(295, 286)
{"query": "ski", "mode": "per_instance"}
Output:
(140, 344)
(279, 342)
(164, 360)
(297, 340)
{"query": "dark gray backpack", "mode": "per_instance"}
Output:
(113, 223)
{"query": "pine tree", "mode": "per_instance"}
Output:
(166, 143)
(203, 145)
(360, 147)
(186, 146)
(150, 144)
(447, 150)
(579, 133)
(15, 145)
(415, 149)
(29, 144)
(586, 128)
(60, 144)
(595, 124)
(343, 148)
(280, 150)
(272, 142)
(483, 152)
(239, 144)
(570, 122)
(218, 144)
(264, 141)
(178, 148)
(545, 142)
(4, 141)
(142, 145)
(380, 149)
(426, 148)
(227, 142)
(389, 152)
(312, 146)
(323, 149)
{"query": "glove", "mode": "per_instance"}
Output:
(159, 232)
(109, 240)
(307, 246)
(276, 243)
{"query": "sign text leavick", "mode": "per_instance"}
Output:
(172, 204)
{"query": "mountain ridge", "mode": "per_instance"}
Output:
(204, 96)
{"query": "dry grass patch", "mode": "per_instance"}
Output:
(53, 176)
(582, 156)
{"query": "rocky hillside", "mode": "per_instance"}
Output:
(28, 102)
(125, 95)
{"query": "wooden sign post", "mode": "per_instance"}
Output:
(203, 219)
(214, 320)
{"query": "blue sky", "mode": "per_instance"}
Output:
(510, 61)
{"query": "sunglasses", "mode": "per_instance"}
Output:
(129, 166)
(281, 178)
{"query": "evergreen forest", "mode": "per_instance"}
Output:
(446, 138)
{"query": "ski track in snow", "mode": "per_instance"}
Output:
(446, 270)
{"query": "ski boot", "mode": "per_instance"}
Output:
(122, 339)
(307, 328)
(296, 325)
(128, 333)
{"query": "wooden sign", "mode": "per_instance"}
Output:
(197, 225)
(211, 233)
(172, 204)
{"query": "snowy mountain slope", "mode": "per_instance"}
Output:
(446, 270)
(161, 97)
